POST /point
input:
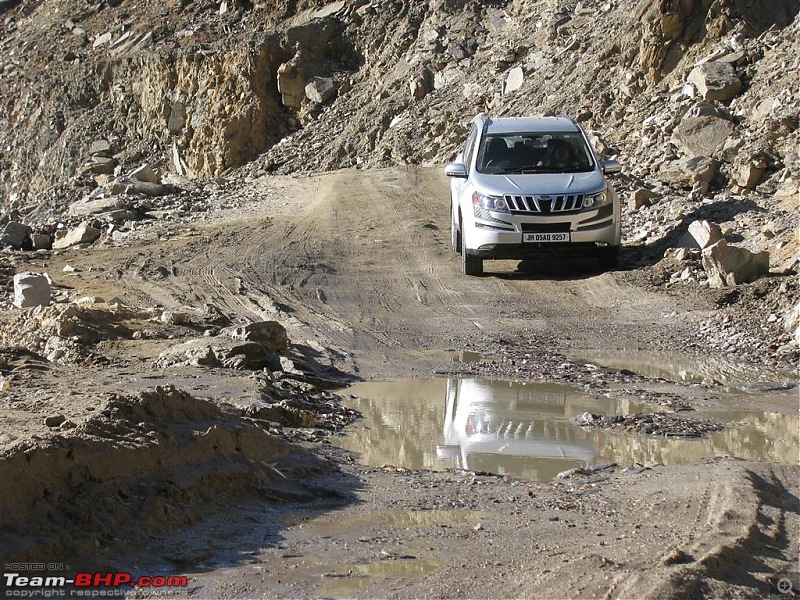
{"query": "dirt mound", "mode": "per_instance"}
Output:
(144, 464)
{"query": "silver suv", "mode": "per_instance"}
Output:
(523, 186)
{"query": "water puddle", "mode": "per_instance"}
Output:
(322, 571)
(524, 429)
(682, 368)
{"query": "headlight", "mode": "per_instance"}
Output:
(596, 200)
(491, 203)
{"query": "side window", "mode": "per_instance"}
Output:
(469, 146)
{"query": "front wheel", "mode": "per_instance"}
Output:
(470, 265)
(455, 235)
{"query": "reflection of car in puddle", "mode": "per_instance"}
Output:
(512, 429)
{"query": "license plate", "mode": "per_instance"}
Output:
(545, 237)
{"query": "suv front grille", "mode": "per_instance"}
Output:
(544, 204)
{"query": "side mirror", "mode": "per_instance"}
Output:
(456, 170)
(611, 166)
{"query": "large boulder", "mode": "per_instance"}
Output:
(320, 89)
(15, 235)
(32, 289)
(730, 265)
(701, 136)
(686, 172)
(715, 81)
(270, 334)
(82, 234)
(705, 233)
(514, 80)
(96, 206)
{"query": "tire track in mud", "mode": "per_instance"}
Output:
(725, 532)
(370, 267)
(363, 260)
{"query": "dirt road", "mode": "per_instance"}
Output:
(357, 266)
(361, 262)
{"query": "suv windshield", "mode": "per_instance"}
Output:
(541, 152)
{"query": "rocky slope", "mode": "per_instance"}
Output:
(694, 97)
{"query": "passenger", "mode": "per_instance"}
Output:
(497, 152)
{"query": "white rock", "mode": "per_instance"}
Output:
(730, 265)
(82, 234)
(514, 80)
(32, 289)
(705, 233)
(144, 173)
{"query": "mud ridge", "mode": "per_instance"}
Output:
(145, 464)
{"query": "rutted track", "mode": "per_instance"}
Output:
(361, 261)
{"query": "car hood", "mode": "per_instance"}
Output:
(540, 183)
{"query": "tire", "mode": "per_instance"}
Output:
(609, 257)
(455, 236)
(470, 265)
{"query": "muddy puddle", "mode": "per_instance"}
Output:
(682, 368)
(293, 561)
(525, 429)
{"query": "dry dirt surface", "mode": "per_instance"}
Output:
(122, 454)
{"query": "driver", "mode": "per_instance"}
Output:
(557, 155)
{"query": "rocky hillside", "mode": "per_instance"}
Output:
(697, 99)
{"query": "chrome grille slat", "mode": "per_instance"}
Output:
(551, 204)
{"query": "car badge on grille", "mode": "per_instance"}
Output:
(545, 203)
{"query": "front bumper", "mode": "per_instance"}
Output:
(588, 232)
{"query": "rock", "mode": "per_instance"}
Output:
(41, 241)
(85, 208)
(704, 108)
(253, 355)
(82, 234)
(715, 81)
(15, 235)
(55, 421)
(701, 136)
(748, 175)
(100, 165)
(31, 289)
(421, 85)
(144, 174)
(291, 82)
(320, 89)
(102, 39)
(585, 418)
(270, 334)
(730, 265)
(705, 233)
(686, 172)
(514, 80)
(101, 148)
(197, 353)
(641, 197)
(174, 317)
(791, 321)
(144, 187)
